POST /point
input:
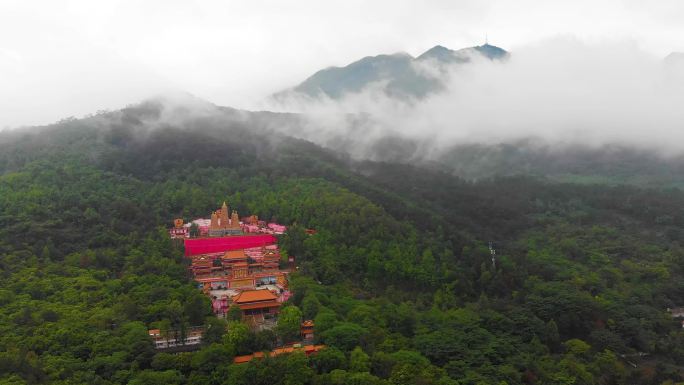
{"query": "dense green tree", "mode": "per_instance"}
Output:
(196, 307)
(210, 358)
(234, 313)
(328, 360)
(237, 337)
(310, 306)
(289, 321)
(171, 377)
(359, 361)
(344, 336)
(551, 336)
(214, 331)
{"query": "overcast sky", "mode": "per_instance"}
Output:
(70, 58)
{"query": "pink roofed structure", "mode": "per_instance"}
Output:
(250, 228)
(277, 229)
(263, 228)
(284, 296)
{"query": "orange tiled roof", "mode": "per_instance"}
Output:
(235, 254)
(211, 279)
(243, 359)
(259, 305)
(278, 351)
(306, 349)
(254, 296)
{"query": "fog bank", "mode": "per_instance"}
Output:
(560, 91)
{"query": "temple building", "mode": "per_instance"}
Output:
(307, 349)
(257, 303)
(179, 230)
(222, 225)
(239, 269)
(307, 330)
(172, 339)
(213, 282)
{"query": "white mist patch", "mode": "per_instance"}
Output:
(562, 91)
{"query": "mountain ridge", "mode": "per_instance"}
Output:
(396, 74)
(190, 116)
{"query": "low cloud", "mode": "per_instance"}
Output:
(561, 91)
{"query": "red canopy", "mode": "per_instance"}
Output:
(221, 244)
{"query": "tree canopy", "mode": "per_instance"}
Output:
(398, 277)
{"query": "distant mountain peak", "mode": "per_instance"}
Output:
(491, 51)
(437, 52)
(396, 71)
(675, 57)
(446, 55)
(438, 48)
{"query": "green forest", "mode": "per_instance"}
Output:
(399, 277)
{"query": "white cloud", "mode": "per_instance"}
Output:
(561, 90)
(62, 57)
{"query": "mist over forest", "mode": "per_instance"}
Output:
(447, 193)
(559, 92)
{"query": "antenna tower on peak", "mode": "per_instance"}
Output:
(492, 252)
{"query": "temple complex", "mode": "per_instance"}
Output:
(237, 264)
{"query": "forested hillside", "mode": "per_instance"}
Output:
(606, 164)
(398, 278)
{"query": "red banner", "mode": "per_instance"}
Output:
(220, 244)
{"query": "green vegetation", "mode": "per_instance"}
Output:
(398, 278)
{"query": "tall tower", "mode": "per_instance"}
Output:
(214, 221)
(235, 220)
(224, 216)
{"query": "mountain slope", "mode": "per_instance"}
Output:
(399, 265)
(397, 75)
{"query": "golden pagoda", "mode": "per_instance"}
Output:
(234, 220)
(222, 224)
(224, 216)
(214, 222)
